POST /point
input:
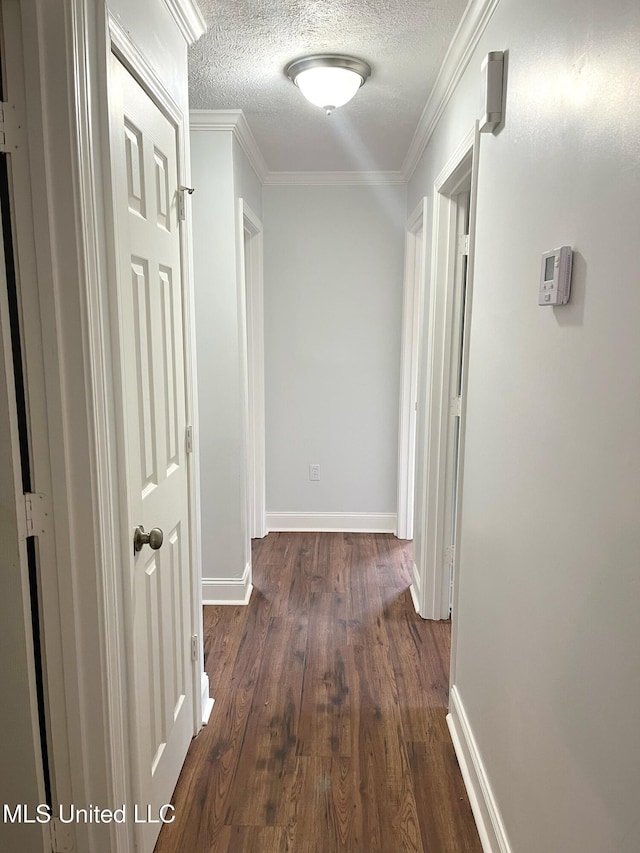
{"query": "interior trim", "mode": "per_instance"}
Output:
(188, 17)
(228, 590)
(333, 179)
(332, 522)
(206, 701)
(473, 24)
(235, 122)
(493, 836)
(414, 288)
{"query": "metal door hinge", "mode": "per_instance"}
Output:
(455, 407)
(463, 244)
(451, 581)
(182, 191)
(37, 515)
(61, 837)
(189, 439)
(10, 128)
(194, 647)
(449, 555)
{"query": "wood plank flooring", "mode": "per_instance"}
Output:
(328, 732)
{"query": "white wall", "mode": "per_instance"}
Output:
(221, 174)
(218, 342)
(549, 584)
(246, 183)
(333, 302)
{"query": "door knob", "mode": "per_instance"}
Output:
(153, 538)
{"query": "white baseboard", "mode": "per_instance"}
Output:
(206, 700)
(414, 589)
(485, 809)
(228, 590)
(332, 522)
(414, 598)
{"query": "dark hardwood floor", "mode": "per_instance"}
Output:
(328, 732)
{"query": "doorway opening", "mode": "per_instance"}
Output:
(462, 201)
(442, 383)
(412, 310)
(26, 742)
(251, 289)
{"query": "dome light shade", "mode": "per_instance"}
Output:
(328, 81)
(328, 87)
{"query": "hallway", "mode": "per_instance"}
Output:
(328, 733)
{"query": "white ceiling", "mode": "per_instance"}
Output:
(239, 64)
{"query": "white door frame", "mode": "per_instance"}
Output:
(415, 273)
(435, 378)
(251, 294)
(43, 303)
(30, 255)
(67, 119)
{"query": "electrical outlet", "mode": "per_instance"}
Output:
(314, 473)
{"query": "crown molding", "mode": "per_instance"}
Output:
(471, 27)
(188, 17)
(235, 122)
(333, 179)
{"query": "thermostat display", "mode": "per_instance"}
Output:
(555, 277)
(548, 268)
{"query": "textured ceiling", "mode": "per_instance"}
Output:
(239, 64)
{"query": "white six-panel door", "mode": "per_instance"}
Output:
(151, 350)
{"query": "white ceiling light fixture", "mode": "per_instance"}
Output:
(328, 81)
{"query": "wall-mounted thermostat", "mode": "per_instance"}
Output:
(555, 277)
